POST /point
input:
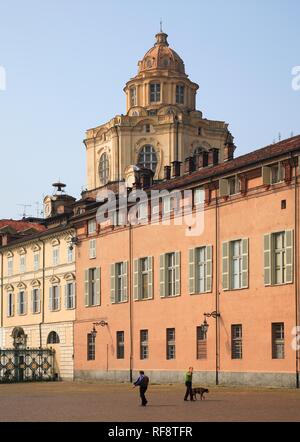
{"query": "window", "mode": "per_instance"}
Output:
(9, 266)
(143, 275)
(91, 353)
(278, 340)
(53, 338)
(278, 258)
(147, 128)
(120, 345)
(92, 226)
(179, 94)
(273, 174)
(35, 301)
(92, 287)
(235, 264)
(236, 342)
(104, 168)
(70, 253)
(170, 343)
(200, 270)
(55, 256)
(133, 96)
(152, 112)
(36, 262)
(10, 304)
(144, 350)
(147, 158)
(142, 211)
(118, 275)
(70, 295)
(201, 344)
(54, 298)
(199, 196)
(170, 274)
(92, 249)
(154, 92)
(119, 280)
(199, 131)
(22, 264)
(22, 303)
(229, 186)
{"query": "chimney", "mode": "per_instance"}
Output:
(189, 165)
(167, 173)
(213, 157)
(176, 168)
(201, 159)
(229, 148)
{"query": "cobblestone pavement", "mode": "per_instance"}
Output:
(63, 401)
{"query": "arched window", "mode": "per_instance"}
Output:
(198, 150)
(147, 157)
(104, 168)
(53, 338)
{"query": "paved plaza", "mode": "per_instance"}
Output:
(64, 401)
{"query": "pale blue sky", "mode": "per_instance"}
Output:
(67, 62)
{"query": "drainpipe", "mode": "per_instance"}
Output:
(130, 303)
(217, 306)
(296, 272)
(43, 293)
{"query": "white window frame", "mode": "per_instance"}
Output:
(10, 305)
(10, 266)
(171, 274)
(92, 248)
(36, 261)
(22, 263)
(22, 303)
(70, 295)
(92, 226)
(55, 256)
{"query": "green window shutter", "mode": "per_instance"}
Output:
(223, 187)
(113, 283)
(209, 269)
(125, 282)
(98, 286)
(267, 259)
(225, 265)
(136, 274)
(50, 298)
(8, 299)
(86, 288)
(245, 263)
(177, 273)
(281, 172)
(289, 253)
(162, 275)
(150, 277)
(25, 302)
(266, 175)
(192, 271)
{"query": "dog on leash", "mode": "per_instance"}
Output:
(200, 391)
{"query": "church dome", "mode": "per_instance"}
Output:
(162, 57)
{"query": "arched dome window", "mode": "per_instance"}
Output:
(198, 150)
(147, 157)
(53, 338)
(104, 168)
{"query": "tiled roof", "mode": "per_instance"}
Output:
(21, 226)
(249, 159)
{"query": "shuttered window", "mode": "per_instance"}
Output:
(92, 248)
(170, 283)
(36, 300)
(143, 278)
(201, 344)
(278, 340)
(70, 296)
(119, 282)
(144, 348)
(22, 303)
(235, 262)
(171, 350)
(236, 342)
(91, 348)
(278, 258)
(54, 298)
(120, 345)
(10, 304)
(92, 287)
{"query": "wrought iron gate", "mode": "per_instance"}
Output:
(26, 365)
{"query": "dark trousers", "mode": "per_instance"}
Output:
(142, 395)
(188, 392)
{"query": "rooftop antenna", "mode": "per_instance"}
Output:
(279, 136)
(161, 24)
(292, 134)
(24, 214)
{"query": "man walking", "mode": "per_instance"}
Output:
(142, 382)
(188, 384)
